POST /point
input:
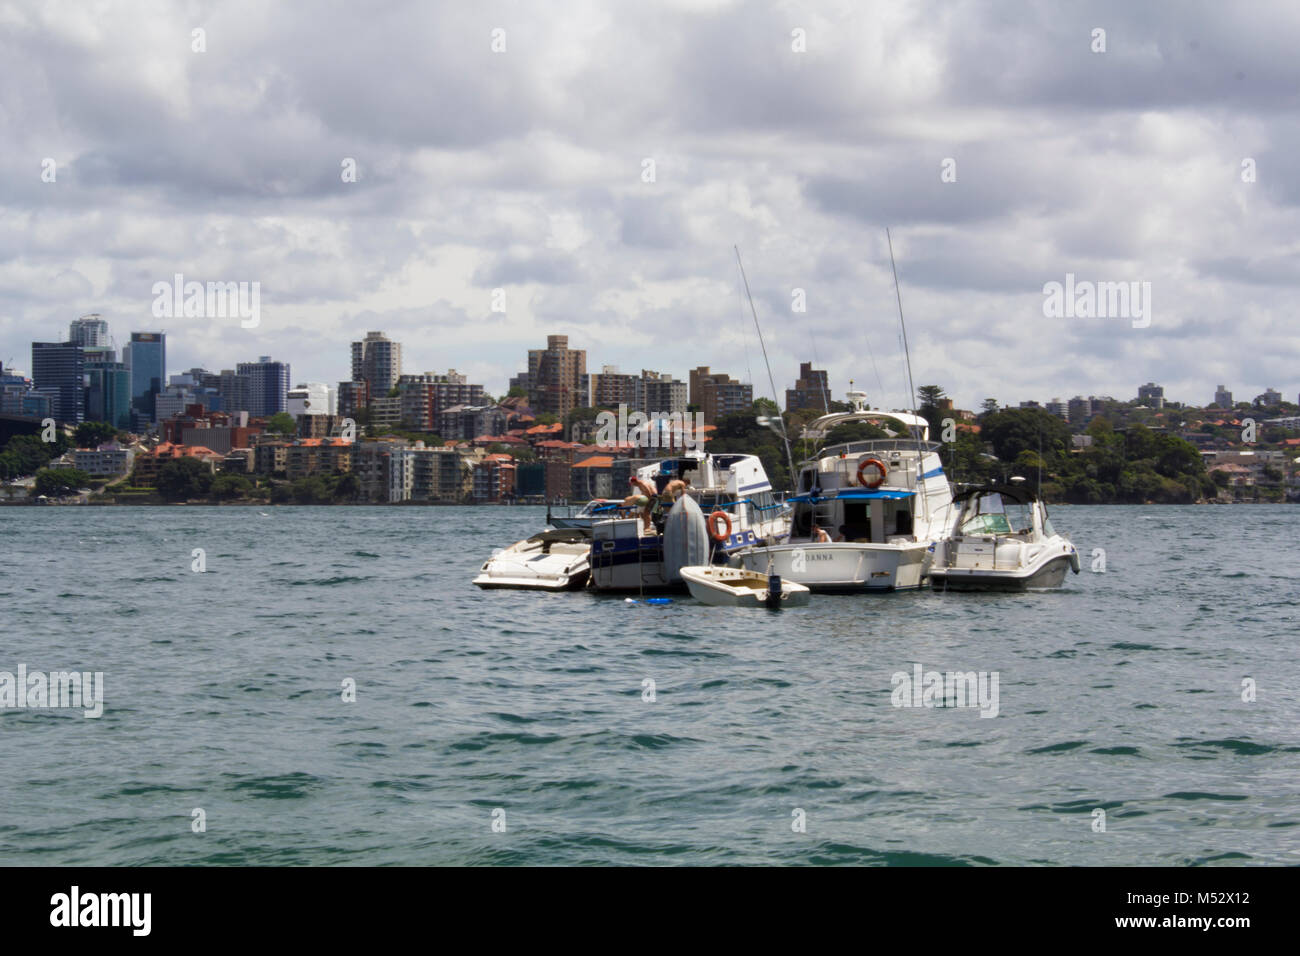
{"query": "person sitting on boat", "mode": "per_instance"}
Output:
(641, 497)
(819, 535)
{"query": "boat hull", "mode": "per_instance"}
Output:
(1050, 574)
(842, 566)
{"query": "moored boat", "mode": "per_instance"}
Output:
(554, 560)
(866, 513)
(1002, 540)
(736, 587)
(732, 489)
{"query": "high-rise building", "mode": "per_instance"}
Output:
(58, 369)
(268, 386)
(811, 390)
(662, 394)
(1059, 408)
(1222, 397)
(235, 391)
(108, 393)
(1152, 395)
(424, 397)
(717, 394)
(377, 360)
(352, 397)
(555, 377)
(147, 358)
(89, 331)
(608, 389)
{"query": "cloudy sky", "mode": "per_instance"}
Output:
(526, 170)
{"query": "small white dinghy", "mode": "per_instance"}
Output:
(550, 561)
(736, 587)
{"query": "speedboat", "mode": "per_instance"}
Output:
(597, 509)
(553, 560)
(736, 587)
(1002, 540)
(866, 513)
(734, 492)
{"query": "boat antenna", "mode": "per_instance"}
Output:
(907, 354)
(771, 381)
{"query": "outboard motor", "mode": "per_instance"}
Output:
(773, 599)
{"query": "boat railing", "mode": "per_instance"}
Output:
(876, 445)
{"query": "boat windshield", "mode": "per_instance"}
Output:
(991, 514)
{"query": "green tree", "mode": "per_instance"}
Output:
(93, 434)
(282, 423)
(228, 487)
(348, 488)
(55, 482)
(517, 391)
(183, 479)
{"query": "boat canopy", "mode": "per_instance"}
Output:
(1017, 493)
(818, 427)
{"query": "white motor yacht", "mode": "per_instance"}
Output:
(1002, 540)
(865, 513)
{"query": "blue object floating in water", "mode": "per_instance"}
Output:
(649, 601)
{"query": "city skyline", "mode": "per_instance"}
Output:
(837, 391)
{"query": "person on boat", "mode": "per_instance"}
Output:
(642, 496)
(819, 535)
(674, 490)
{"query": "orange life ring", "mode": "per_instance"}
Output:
(878, 465)
(714, 533)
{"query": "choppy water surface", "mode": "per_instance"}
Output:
(1122, 691)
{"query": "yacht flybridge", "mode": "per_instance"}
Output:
(1002, 540)
(866, 513)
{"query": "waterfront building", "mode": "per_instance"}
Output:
(494, 479)
(109, 460)
(147, 464)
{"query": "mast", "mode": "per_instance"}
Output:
(920, 451)
(771, 381)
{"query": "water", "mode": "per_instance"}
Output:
(1122, 691)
